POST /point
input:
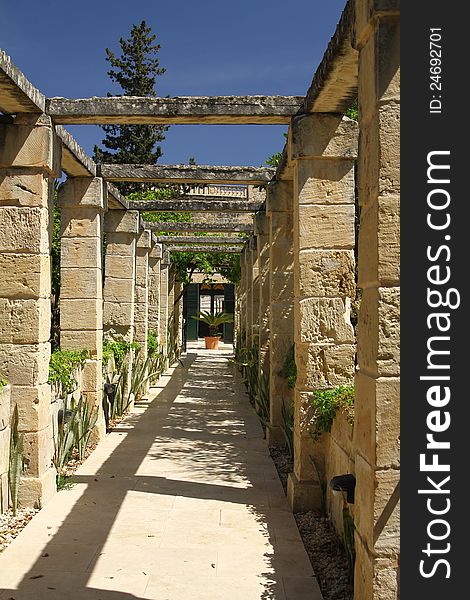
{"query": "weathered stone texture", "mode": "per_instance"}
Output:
(378, 413)
(379, 243)
(379, 322)
(21, 187)
(324, 366)
(24, 229)
(25, 275)
(25, 321)
(325, 181)
(32, 145)
(327, 274)
(316, 223)
(82, 252)
(122, 221)
(81, 314)
(322, 135)
(324, 320)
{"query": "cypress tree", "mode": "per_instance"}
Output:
(136, 71)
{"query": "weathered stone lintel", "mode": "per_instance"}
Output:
(334, 85)
(196, 206)
(187, 174)
(217, 110)
(200, 227)
(194, 239)
(201, 248)
(17, 94)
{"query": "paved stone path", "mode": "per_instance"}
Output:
(180, 501)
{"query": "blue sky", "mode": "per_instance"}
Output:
(208, 48)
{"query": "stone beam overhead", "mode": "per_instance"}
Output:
(227, 227)
(115, 199)
(187, 174)
(193, 204)
(75, 161)
(195, 239)
(334, 85)
(17, 94)
(187, 110)
(202, 248)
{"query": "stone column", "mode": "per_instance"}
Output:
(142, 291)
(243, 298)
(82, 201)
(255, 290)
(249, 293)
(29, 162)
(155, 257)
(377, 420)
(164, 272)
(122, 229)
(279, 204)
(322, 148)
(262, 237)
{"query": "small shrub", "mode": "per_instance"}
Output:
(325, 404)
(287, 426)
(62, 368)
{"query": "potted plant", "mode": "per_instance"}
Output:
(213, 320)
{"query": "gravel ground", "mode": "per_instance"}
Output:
(320, 539)
(11, 526)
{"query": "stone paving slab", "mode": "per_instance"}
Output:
(181, 501)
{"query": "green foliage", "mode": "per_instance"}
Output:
(247, 359)
(16, 459)
(213, 320)
(62, 368)
(287, 426)
(72, 430)
(274, 160)
(353, 111)
(289, 369)
(325, 404)
(135, 71)
(117, 350)
(3, 383)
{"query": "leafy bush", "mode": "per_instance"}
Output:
(325, 404)
(3, 382)
(62, 368)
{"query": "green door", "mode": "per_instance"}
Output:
(192, 303)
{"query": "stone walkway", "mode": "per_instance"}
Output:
(181, 500)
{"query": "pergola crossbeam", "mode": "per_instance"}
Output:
(196, 205)
(213, 227)
(202, 174)
(195, 239)
(202, 248)
(186, 110)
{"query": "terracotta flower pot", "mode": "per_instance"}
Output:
(212, 343)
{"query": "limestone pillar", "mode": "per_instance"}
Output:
(82, 201)
(243, 299)
(322, 148)
(122, 229)
(29, 162)
(262, 237)
(155, 257)
(255, 290)
(377, 420)
(141, 314)
(164, 274)
(249, 293)
(279, 205)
